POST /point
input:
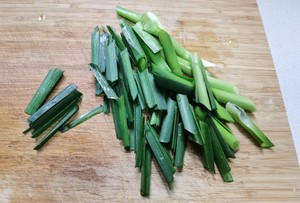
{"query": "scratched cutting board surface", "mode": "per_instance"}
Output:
(88, 164)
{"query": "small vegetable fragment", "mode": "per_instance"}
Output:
(160, 155)
(134, 47)
(98, 109)
(188, 118)
(226, 149)
(120, 44)
(128, 14)
(224, 97)
(169, 51)
(146, 172)
(208, 152)
(222, 113)
(180, 147)
(149, 40)
(128, 74)
(111, 70)
(201, 94)
(220, 159)
(147, 89)
(227, 135)
(44, 90)
(240, 116)
(103, 82)
(138, 125)
(56, 128)
(167, 123)
(119, 117)
(171, 81)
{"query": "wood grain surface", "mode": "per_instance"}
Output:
(88, 164)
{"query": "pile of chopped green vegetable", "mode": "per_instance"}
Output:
(58, 110)
(161, 96)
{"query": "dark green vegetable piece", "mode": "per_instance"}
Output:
(39, 130)
(188, 118)
(160, 155)
(98, 109)
(56, 128)
(180, 147)
(109, 92)
(147, 89)
(171, 81)
(128, 73)
(134, 47)
(44, 90)
(120, 120)
(52, 107)
(167, 123)
(220, 159)
(146, 172)
(208, 153)
(120, 44)
(227, 151)
(139, 134)
(111, 70)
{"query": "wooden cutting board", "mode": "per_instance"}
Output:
(88, 164)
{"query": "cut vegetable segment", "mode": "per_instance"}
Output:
(146, 172)
(147, 89)
(220, 159)
(171, 81)
(134, 47)
(119, 117)
(44, 90)
(128, 14)
(240, 116)
(160, 155)
(241, 101)
(169, 51)
(225, 147)
(95, 46)
(227, 135)
(148, 39)
(201, 94)
(111, 70)
(222, 85)
(117, 38)
(180, 147)
(56, 128)
(128, 74)
(167, 123)
(141, 98)
(109, 92)
(222, 113)
(188, 118)
(208, 153)
(83, 118)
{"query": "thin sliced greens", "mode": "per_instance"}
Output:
(50, 134)
(97, 110)
(109, 92)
